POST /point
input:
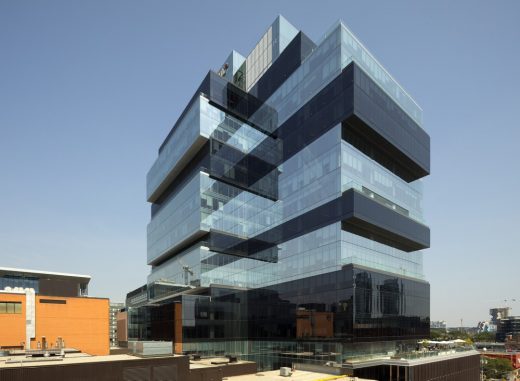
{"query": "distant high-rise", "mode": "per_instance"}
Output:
(508, 328)
(499, 313)
(287, 217)
(114, 308)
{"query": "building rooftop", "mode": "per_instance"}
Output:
(50, 274)
(212, 362)
(298, 375)
(410, 359)
(78, 358)
(73, 358)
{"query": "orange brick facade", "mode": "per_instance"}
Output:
(81, 322)
(12, 326)
(177, 328)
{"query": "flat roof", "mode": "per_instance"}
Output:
(80, 358)
(387, 360)
(298, 375)
(207, 362)
(15, 271)
(70, 358)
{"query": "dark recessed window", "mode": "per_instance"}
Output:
(53, 301)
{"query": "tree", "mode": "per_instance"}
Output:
(437, 334)
(497, 368)
(487, 337)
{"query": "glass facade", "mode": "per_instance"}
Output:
(20, 281)
(368, 176)
(353, 49)
(267, 50)
(257, 246)
(318, 69)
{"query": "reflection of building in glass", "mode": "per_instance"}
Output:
(287, 209)
(390, 297)
(314, 324)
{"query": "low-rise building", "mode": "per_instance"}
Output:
(441, 324)
(43, 310)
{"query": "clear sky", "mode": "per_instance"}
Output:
(89, 89)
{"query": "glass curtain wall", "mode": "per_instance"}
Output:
(219, 237)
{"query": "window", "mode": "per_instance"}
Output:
(53, 301)
(10, 307)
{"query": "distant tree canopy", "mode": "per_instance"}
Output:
(437, 333)
(488, 337)
(441, 334)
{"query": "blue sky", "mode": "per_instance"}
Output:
(89, 89)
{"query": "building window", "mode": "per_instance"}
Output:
(53, 301)
(10, 307)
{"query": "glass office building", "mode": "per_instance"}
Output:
(286, 209)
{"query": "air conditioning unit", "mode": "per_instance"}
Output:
(285, 372)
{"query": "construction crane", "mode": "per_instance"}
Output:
(187, 272)
(509, 300)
